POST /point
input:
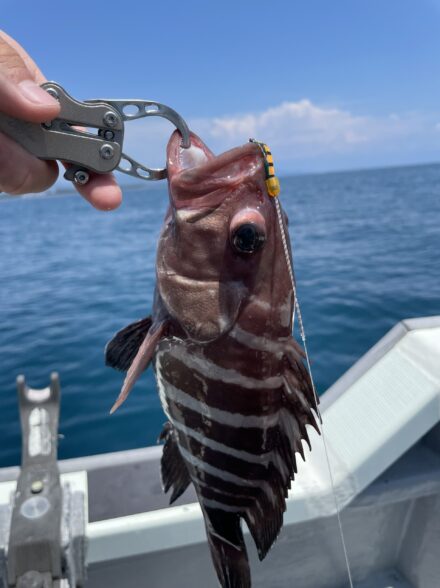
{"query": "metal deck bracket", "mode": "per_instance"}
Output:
(43, 546)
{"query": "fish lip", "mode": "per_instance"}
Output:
(206, 184)
(175, 151)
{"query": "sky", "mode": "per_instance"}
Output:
(329, 85)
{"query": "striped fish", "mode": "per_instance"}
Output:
(231, 378)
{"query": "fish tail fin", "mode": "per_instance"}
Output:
(173, 469)
(228, 549)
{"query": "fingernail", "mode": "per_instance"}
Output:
(32, 92)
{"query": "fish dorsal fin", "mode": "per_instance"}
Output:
(141, 361)
(300, 379)
(122, 349)
(173, 469)
(295, 414)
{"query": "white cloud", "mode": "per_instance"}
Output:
(295, 123)
(304, 135)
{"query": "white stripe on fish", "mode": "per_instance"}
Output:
(257, 301)
(270, 456)
(264, 459)
(222, 417)
(257, 342)
(227, 476)
(212, 371)
(256, 504)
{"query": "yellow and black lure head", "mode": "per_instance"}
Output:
(272, 182)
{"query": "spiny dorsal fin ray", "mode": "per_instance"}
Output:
(294, 355)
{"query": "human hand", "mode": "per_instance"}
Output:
(21, 97)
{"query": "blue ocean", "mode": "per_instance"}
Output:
(367, 254)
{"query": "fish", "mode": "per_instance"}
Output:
(231, 377)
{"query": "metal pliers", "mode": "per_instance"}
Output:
(85, 151)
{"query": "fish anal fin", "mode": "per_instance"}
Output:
(122, 349)
(174, 472)
(228, 550)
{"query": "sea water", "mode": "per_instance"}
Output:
(366, 250)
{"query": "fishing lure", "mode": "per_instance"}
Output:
(230, 375)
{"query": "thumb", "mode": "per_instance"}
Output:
(20, 95)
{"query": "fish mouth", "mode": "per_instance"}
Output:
(199, 180)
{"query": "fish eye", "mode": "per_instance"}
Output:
(248, 238)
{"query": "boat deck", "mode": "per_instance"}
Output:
(381, 424)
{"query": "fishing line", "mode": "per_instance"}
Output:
(273, 190)
(296, 307)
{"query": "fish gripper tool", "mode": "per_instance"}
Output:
(89, 135)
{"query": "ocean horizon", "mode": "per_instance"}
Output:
(365, 247)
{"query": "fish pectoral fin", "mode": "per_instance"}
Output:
(121, 350)
(173, 469)
(140, 361)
